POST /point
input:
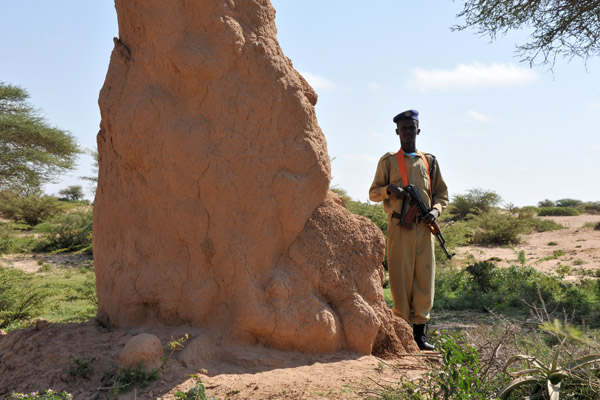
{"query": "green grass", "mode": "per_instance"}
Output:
(482, 287)
(70, 297)
(65, 295)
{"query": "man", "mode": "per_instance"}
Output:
(410, 250)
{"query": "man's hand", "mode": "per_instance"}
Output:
(396, 191)
(432, 216)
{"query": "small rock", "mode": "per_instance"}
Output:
(144, 349)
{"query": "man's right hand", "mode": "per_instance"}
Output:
(396, 191)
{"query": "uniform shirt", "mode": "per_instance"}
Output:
(388, 172)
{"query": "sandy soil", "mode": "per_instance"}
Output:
(579, 245)
(39, 358)
(33, 262)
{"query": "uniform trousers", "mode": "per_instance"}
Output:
(411, 268)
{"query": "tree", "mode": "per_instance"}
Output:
(94, 178)
(476, 201)
(560, 27)
(71, 193)
(568, 203)
(546, 203)
(31, 151)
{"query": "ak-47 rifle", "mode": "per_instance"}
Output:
(419, 207)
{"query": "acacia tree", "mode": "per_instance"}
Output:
(31, 151)
(559, 27)
(94, 178)
(71, 193)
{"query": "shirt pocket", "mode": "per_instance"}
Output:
(396, 178)
(425, 177)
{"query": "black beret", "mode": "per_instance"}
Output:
(409, 114)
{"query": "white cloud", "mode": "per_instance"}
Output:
(478, 117)
(475, 75)
(595, 106)
(318, 82)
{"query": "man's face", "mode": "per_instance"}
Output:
(407, 129)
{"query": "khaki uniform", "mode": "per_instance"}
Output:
(410, 253)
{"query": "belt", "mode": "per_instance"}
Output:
(396, 215)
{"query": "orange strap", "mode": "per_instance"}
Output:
(404, 170)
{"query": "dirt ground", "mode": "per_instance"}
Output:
(579, 245)
(38, 358)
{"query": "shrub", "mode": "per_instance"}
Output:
(19, 299)
(495, 227)
(542, 225)
(11, 241)
(198, 392)
(559, 371)
(482, 275)
(66, 232)
(119, 380)
(590, 208)
(458, 376)
(31, 209)
(486, 287)
(558, 211)
(527, 212)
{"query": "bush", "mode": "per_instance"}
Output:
(558, 211)
(11, 239)
(482, 274)
(19, 299)
(483, 286)
(541, 225)
(496, 228)
(527, 212)
(590, 208)
(31, 209)
(457, 376)
(66, 232)
(474, 202)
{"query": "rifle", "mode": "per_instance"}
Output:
(419, 207)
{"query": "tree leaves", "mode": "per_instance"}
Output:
(31, 151)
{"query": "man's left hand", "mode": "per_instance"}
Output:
(432, 216)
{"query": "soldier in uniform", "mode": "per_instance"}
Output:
(410, 250)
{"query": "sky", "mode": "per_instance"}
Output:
(493, 122)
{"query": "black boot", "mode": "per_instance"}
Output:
(421, 338)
